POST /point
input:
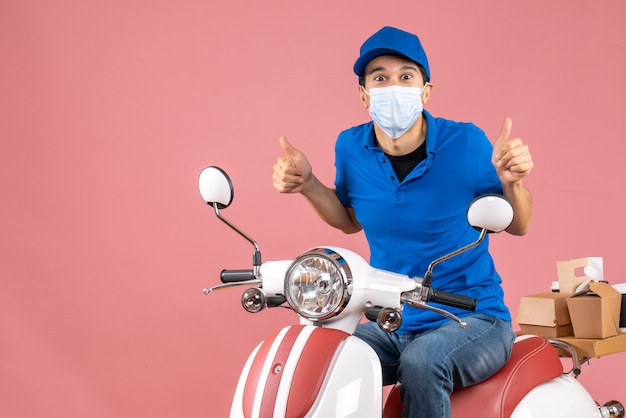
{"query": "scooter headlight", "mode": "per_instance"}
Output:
(318, 284)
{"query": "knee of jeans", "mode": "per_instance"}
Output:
(420, 359)
(367, 332)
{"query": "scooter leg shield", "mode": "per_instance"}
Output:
(305, 371)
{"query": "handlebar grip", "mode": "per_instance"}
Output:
(372, 313)
(274, 301)
(233, 276)
(452, 299)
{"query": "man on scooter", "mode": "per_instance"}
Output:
(406, 178)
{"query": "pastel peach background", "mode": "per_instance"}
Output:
(110, 109)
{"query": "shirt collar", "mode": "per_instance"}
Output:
(431, 134)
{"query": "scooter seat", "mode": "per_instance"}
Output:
(532, 362)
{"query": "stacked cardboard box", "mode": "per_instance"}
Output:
(584, 313)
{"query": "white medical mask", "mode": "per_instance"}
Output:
(395, 108)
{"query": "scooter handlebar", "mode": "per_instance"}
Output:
(233, 276)
(452, 299)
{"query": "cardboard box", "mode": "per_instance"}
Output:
(595, 313)
(621, 287)
(573, 273)
(545, 314)
(589, 347)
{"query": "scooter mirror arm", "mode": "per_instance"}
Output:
(256, 256)
(428, 277)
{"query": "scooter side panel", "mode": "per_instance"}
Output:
(251, 385)
(560, 397)
(353, 385)
(288, 373)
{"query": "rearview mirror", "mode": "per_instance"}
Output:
(215, 187)
(490, 212)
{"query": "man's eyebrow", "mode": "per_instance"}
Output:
(404, 67)
(373, 70)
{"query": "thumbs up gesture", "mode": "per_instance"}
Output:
(291, 171)
(510, 157)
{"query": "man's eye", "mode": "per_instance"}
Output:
(407, 77)
(379, 78)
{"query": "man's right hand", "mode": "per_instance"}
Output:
(291, 171)
(293, 174)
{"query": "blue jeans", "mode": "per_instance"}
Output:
(431, 364)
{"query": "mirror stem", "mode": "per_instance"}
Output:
(428, 277)
(256, 256)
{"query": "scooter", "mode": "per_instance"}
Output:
(318, 368)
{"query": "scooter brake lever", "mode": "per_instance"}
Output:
(422, 305)
(208, 290)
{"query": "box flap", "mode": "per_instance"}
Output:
(601, 289)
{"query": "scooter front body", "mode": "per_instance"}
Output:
(308, 371)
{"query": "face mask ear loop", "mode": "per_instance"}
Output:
(422, 91)
(365, 91)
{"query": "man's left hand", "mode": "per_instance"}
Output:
(511, 156)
